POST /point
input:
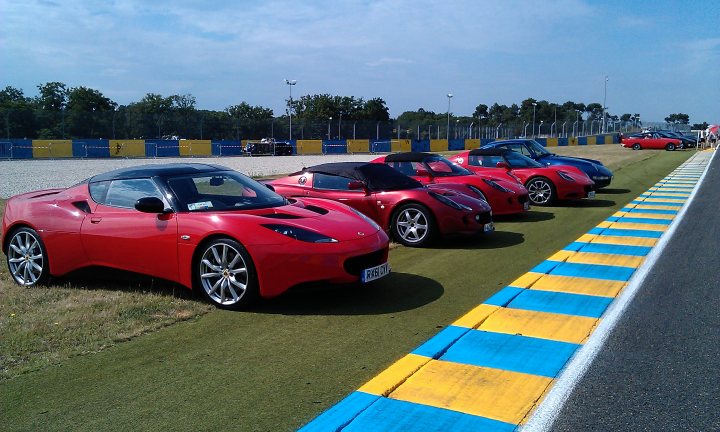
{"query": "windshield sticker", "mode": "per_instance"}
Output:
(200, 205)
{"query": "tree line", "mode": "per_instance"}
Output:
(59, 111)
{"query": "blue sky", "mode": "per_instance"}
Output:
(661, 56)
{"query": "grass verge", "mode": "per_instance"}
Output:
(278, 366)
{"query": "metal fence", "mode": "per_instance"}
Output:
(126, 124)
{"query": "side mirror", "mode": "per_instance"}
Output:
(217, 181)
(503, 165)
(150, 205)
(356, 185)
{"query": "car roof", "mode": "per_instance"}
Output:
(510, 141)
(157, 170)
(408, 157)
(490, 151)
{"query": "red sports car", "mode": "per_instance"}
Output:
(545, 184)
(202, 226)
(505, 195)
(414, 214)
(650, 140)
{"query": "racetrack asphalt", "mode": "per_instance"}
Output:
(491, 368)
(660, 367)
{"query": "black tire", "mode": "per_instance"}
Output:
(27, 258)
(670, 147)
(636, 146)
(225, 274)
(541, 191)
(413, 225)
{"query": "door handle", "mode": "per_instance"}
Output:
(95, 220)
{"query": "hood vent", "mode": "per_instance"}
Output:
(281, 216)
(316, 209)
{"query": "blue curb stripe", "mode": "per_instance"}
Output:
(651, 211)
(439, 343)
(562, 303)
(638, 220)
(657, 203)
(544, 267)
(504, 296)
(608, 248)
(341, 414)
(395, 415)
(662, 196)
(592, 271)
(515, 353)
(625, 232)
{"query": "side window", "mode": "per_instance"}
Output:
(98, 191)
(516, 161)
(520, 148)
(485, 161)
(124, 193)
(332, 182)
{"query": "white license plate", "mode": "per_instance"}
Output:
(489, 227)
(526, 205)
(591, 194)
(375, 272)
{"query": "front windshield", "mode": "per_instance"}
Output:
(441, 167)
(538, 148)
(221, 190)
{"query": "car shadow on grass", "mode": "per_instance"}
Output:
(102, 278)
(530, 216)
(494, 240)
(610, 191)
(586, 203)
(395, 293)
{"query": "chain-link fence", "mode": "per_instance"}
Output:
(127, 124)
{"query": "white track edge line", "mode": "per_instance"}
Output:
(547, 412)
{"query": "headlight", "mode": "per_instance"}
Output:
(496, 185)
(367, 219)
(300, 234)
(448, 202)
(566, 176)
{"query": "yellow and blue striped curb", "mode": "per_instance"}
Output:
(490, 368)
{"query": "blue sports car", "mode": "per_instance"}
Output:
(534, 150)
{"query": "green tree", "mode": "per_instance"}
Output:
(17, 118)
(89, 113)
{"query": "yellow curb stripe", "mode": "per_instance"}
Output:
(389, 379)
(598, 258)
(544, 325)
(618, 240)
(492, 393)
(570, 284)
(633, 226)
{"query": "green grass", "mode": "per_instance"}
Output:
(278, 366)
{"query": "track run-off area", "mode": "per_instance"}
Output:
(491, 368)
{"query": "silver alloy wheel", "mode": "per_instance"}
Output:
(25, 258)
(223, 274)
(412, 225)
(540, 191)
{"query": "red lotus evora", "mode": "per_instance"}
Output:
(202, 226)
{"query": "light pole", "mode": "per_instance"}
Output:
(534, 104)
(540, 127)
(339, 123)
(457, 123)
(604, 105)
(290, 84)
(470, 130)
(329, 121)
(577, 120)
(447, 134)
(429, 137)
